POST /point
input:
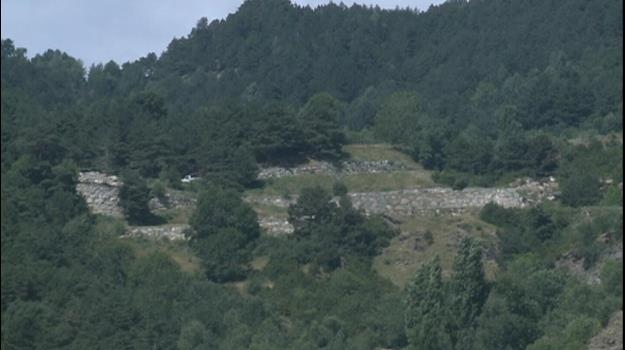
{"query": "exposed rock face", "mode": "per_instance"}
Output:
(536, 191)
(101, 192)
(414, 202)
(173, 199)
(170, 232)
(610, 338)
(276, 226)
(325, 168)
(574, 264)
(422, 201)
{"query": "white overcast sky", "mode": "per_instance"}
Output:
(123, 30)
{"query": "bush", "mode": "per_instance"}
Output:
(339, 189)
(580, 190)
(497, 215)
(158, 190)
(223, 255)
(573, 337)
(444, 178)
(613, 197)
(218, 209)
(612, 278)
(429, 237)
(133, 198)
(460, 183)
(225, 232)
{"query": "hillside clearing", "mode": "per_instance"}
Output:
(411, 249)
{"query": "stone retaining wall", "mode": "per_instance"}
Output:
(276, 226)
(325, 168)
(173, 199)
(421, 201)
(170, 232)
(101, 193)
(413, 202)
(274, 201)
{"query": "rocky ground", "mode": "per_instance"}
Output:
(325, 168)
(101, 192)
(611, 337)
(418, 202)
(169, 232)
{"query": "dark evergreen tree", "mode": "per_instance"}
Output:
(580, 189)
(133, 199)
(426, 311)
(468, 291)
(320, 119)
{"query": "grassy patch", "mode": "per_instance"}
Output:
(292, 185)
(259, 263)
(266, 210)
(378, 152)
(414, 177)
(399, 180)
(412, 247)
(106, 225)
(177, 216)
(178, 252)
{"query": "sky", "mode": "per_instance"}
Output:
(97, 31)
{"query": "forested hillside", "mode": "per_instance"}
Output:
(477, 93)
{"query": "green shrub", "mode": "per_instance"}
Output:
(612, 278)
(580, 190)
(133, 198)
(339, 189)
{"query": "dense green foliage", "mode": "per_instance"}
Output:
(329, 233)
(481, 91)
(534, 303)
(134, 196)
(225, 229)
(244, 89)
(443, 315)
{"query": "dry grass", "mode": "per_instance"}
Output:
(414, 177)
(268, 210)
(410, 250)
(378, 152)
(259, 263)
(177, 216)
(399, 180)
(292, 185)
(178, 252)
(240, 287)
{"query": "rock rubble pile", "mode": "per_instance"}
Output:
(324, 168)
(101, 192)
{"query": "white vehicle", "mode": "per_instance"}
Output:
(189, 178)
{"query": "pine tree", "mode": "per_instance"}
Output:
(425, 309)
(468, 292)
(320, 119)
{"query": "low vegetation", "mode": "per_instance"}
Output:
(426, 237)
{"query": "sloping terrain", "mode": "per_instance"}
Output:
(431, 220)
(611, 337)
